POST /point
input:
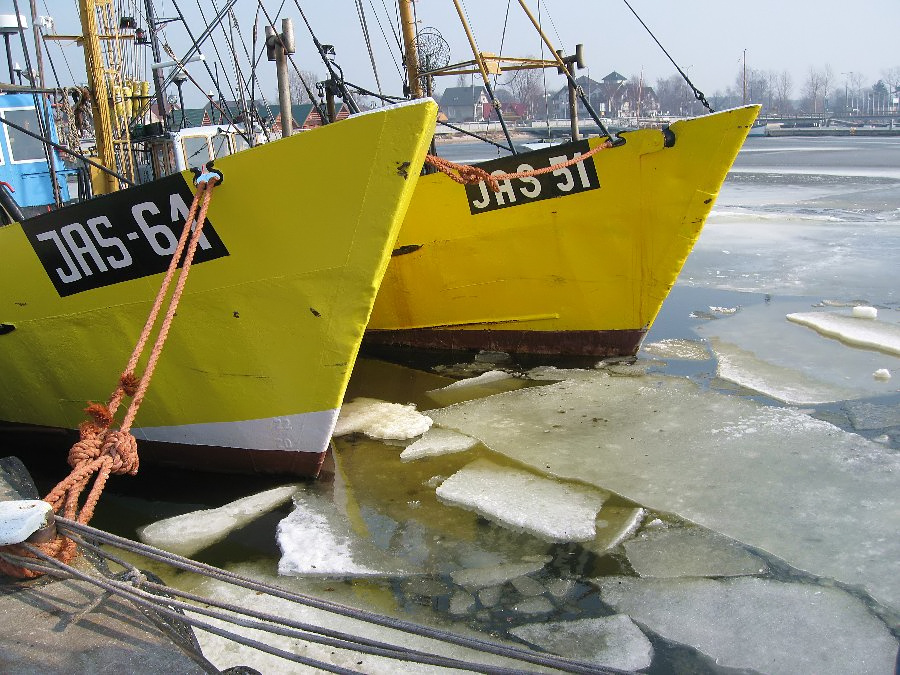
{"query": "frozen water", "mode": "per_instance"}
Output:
(689, 552)
(527, 587)
(538, 605)
(486, 384)
(873, 415)
(191, 532)
(785, 383)
(609, 641)
(225, 653)
(775, 479)
(21, 518)
(882, 374)
(380, 419)
(482, 577)
(690, 350)
(614, 525)
(437, 441)
(546, 508)
(316, 539)
(461, 603)
(852, 330)
(761, 350)
(767, 626)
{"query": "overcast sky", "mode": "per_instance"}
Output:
(707, 38)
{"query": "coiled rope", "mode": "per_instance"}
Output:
(101, 450)
(467, 174)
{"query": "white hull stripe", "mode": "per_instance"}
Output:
(304, 432)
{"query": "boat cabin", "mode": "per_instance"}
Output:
(24, 163)
(194, 147)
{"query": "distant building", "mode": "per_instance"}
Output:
(613, 96)
(466, 104)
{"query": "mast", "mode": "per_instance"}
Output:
(93, 61)
(409, 41)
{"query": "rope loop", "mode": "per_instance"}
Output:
(467, 174)
(100, 450)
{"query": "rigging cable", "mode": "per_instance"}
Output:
(386, 41)
(361, 13)
(697, 93)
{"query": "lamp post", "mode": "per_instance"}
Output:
(10, 24)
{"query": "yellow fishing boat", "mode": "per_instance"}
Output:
(576, 261)
(267, 331)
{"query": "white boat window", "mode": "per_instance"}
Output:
(196, 150)
(22, 147)
(220, 145)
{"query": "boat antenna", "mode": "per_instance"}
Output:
(336, 79)
(68, 151)
(697, 93)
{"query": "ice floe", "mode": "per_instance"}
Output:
(524, 501)
(614, 525)
(486, 384)
(317, 540)
(608, 641)
(225, 653)
(381, 419)
(722, 462)
(759, 349)
(437, 441)
(852, 330)
(689, 350)
(766, 626)
(865, 312)
(191, 532)
(482, 577)
(689, 552)
(784, 383)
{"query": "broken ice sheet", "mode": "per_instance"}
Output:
(521, 500)
(608, 641)
(689, 350)
(821, 499)
(224, 653)
(483, 577)
(486, 384)
(689, 552)
(767, 626)
(760, 349)
(316, 539)
(783, 383)
(381, 419)
(852, 330)
(873, 416)
(191, 532)
(437, 441)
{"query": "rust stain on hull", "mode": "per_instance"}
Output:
(599, 343)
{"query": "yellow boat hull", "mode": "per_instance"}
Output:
(299, 234)
(577, 262)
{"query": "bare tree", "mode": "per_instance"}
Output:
(812, 90)
(298, 91)
(525, 87)
(784, 90)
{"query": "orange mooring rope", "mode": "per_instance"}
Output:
(102, 450)
(466, 174)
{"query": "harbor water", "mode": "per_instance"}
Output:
(728, 502)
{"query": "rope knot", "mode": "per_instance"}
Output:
(101, 414)
(88, 447)
(121, 447)
(129, 383)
